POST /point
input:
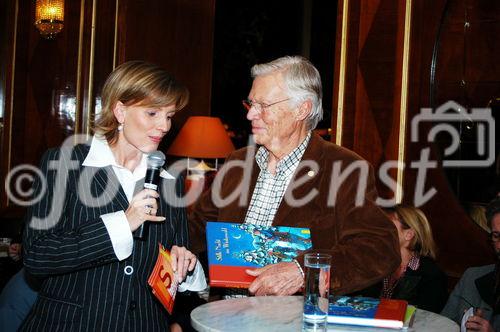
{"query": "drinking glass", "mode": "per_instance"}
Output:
(317, 286)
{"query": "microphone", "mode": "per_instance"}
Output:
(156, 160)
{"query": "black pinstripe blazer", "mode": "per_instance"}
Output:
(85, 287)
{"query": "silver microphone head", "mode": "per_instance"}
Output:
(156, 159)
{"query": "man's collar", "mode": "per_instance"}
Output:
(262, 155)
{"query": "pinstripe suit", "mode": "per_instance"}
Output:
(85, 287)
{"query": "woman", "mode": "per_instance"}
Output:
(418, 279)
(79, 235)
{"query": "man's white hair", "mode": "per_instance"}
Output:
(302, 81)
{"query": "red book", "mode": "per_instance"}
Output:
(163, 280)
(365, 311)
(234, 248)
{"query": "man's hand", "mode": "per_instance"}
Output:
(276, 279)
(478, 323)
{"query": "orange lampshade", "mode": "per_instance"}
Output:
(202, 137)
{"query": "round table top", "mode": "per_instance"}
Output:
(284, 313)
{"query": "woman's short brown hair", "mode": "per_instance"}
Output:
(137, 83)
(412, 217)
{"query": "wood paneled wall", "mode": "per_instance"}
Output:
(97, 35)
(177, 34)
(382, 80)
(371, 86)
(461, 242)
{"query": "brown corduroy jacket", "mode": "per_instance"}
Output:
(363, 242)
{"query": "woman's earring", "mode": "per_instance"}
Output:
(120, 127)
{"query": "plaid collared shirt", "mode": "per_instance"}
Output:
(268, 193)
(270, 189)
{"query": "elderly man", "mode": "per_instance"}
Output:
(479, 286)
(295, 178)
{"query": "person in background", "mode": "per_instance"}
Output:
(79, 236)
(19, 293)
(479, 287)
(418, 279)
(478, 214)
(10, 254)
(15, 251)
(17, 299)
(289, 181)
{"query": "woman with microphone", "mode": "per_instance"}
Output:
(80, 239)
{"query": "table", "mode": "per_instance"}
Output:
(284, 313)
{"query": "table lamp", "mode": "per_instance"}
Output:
(202, 137)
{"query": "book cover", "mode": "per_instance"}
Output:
(365, 311)
(163, 281)
(233, 248)
(410, 316)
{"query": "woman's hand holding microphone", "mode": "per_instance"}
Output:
(143, 207)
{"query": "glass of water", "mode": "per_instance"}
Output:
(317, 287)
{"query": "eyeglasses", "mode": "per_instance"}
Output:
(259, 107)
(495, 236)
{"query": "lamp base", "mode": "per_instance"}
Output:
(201, 167)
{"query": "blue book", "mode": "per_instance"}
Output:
(366, 311)
(233, 248)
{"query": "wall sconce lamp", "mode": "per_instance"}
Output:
(202, 137)
(49, 17)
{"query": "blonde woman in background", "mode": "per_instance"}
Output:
(478, 214)
(418, 279)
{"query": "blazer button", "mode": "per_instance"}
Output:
(128, 270)
(132, 305)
